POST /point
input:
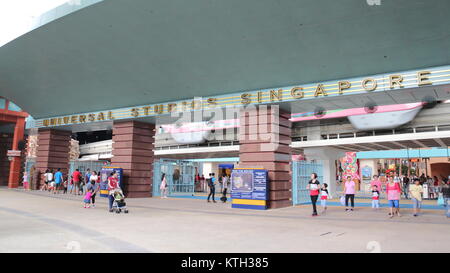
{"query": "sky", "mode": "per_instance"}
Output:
(16, 16)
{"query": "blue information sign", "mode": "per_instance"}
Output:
(249, 188)
(104, 174)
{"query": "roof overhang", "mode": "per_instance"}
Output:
(117, 53)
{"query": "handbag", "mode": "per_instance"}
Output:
(342, 200)
(440, 201)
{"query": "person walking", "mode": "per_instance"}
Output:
(446, 196)
(405, 181)
(422, 179)
(212, 187)
(87, 176)
(313, 187)
(59, 179)
(113, 185)
(163, 187)
(376, 182)
(349, 191)
(25, 181)
(87, 198)
(393, 192)
(416, 191)
(76, 177)
(324, 195)
(375, 197)
(93, 186)
(224, 188)
(202, 183)
(48, 178)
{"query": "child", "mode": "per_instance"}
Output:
(65, 187)
(51, 186)
(416, 192)
(375, 197)
(87, 198)
(324, 196)
(25, 181)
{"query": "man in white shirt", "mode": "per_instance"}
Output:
(396, 178)
(48, 178)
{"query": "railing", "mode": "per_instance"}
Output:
(208, 144)
(408, 130)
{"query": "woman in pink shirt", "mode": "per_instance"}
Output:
(393, 192)
(349, 191)
(376, 182)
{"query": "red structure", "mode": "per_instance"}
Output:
(11, 114)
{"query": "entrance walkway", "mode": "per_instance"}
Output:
(42, 222)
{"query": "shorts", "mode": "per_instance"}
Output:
(416, 203)
(394, 203)
(323, 202)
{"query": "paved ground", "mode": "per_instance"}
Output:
(42, 222)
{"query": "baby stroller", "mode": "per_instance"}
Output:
(119, 204)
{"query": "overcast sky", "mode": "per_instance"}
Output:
(16, 16)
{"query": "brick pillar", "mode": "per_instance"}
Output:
(265, 136)
(133, 152)
(52, 152)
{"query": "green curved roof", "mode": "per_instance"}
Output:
(122, 53)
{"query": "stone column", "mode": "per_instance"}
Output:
(133, 152)
(265, 136)
(52, 152)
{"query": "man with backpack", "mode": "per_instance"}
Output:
(212, 187)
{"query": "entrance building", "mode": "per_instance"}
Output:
(260, 89)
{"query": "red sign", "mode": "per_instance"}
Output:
(14, 153)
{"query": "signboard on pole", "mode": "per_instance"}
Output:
(13, 153)
(249, 188)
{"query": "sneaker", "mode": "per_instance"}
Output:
(415, 215)
(110, 210)
(351, 209)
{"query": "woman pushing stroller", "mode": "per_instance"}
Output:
(113, 185)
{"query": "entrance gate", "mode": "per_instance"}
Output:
(301, 174)
(180, 176)
(82, 166)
